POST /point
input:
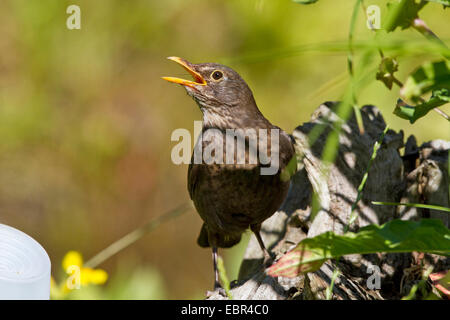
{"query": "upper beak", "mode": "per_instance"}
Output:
(199, 80)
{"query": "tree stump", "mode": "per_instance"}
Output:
(419, 175)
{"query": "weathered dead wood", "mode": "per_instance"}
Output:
(420, 175)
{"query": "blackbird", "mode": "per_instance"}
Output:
(236, 193)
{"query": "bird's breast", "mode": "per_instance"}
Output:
(227, 184)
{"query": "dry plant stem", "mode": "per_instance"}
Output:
(134, 235)
(422, 27)
(442, 113)
(439, 111)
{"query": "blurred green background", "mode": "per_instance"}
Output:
(85, 120)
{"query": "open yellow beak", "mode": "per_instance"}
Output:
(198, 78)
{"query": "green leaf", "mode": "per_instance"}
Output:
(304, 1)
(404, 111)
(430, 76)
(412, 113)
(386, 71)
(402, 14)
(427, 235)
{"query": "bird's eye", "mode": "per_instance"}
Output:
(216, 75)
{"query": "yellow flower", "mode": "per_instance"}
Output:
(78, 275)
(72, 258)
(94, 276)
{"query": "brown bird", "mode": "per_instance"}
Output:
(235, 193)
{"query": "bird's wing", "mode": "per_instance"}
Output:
(192, 178)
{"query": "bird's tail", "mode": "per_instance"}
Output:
(221, 240)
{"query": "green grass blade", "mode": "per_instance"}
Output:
(376, 146)
(329, 292)
(223, 277)
(415, 205)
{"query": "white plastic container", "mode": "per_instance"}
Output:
(24, 267)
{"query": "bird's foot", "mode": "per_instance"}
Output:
(217, 290)
(220, 291)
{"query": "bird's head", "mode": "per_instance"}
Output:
(215, 87)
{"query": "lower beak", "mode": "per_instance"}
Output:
(198, 78)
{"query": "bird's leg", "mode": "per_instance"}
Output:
(216, 270)
(217, 285)
(256, 228)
